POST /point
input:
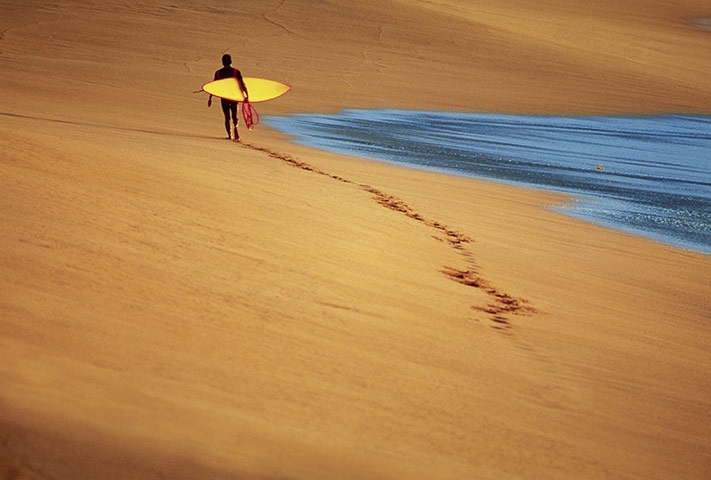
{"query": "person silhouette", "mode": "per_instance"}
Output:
(229, 107)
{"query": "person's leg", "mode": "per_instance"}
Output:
(226, 112)
(235, 119)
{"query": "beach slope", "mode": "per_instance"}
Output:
(175, 305)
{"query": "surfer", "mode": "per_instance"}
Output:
(229, 108)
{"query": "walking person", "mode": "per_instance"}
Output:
(229, 107)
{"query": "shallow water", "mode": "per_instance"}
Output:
(704, 23)
(649, 176)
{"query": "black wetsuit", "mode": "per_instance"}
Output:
(229, 108)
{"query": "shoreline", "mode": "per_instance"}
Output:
(379, 149)
(176, 305)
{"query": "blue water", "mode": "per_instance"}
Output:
(648, 176)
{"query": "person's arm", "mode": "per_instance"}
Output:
(242, 86)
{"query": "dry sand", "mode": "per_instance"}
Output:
(174, 305)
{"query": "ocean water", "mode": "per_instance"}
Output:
(648, 175)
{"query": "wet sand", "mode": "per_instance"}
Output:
(175, 305)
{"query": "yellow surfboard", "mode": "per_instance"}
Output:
(259, 89)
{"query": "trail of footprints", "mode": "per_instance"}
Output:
(501, 306)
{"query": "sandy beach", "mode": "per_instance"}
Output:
(176, 305)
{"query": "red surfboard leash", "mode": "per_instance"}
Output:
(250, 115)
